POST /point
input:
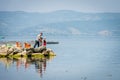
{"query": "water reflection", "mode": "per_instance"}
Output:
(39, 63)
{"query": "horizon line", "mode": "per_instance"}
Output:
(55, 11)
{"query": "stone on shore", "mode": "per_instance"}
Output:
(4, 50)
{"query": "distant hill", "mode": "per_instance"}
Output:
(63, 22)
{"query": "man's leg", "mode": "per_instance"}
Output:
(38, 43)
(35, 43)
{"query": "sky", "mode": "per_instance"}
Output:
(53, 5)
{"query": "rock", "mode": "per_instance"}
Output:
(39, 49)
(10, 50)
(22, 51)
(17, 51)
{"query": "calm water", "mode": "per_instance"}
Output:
(77, 59)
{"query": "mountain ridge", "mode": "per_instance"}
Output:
(57, 22)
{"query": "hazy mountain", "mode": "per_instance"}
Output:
(63, 22)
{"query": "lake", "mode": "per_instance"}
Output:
(78, 58)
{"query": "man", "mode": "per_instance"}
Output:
(38, 40)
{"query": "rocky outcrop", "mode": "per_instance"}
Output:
(25, 51)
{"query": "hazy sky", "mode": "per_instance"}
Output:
(52, 5)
